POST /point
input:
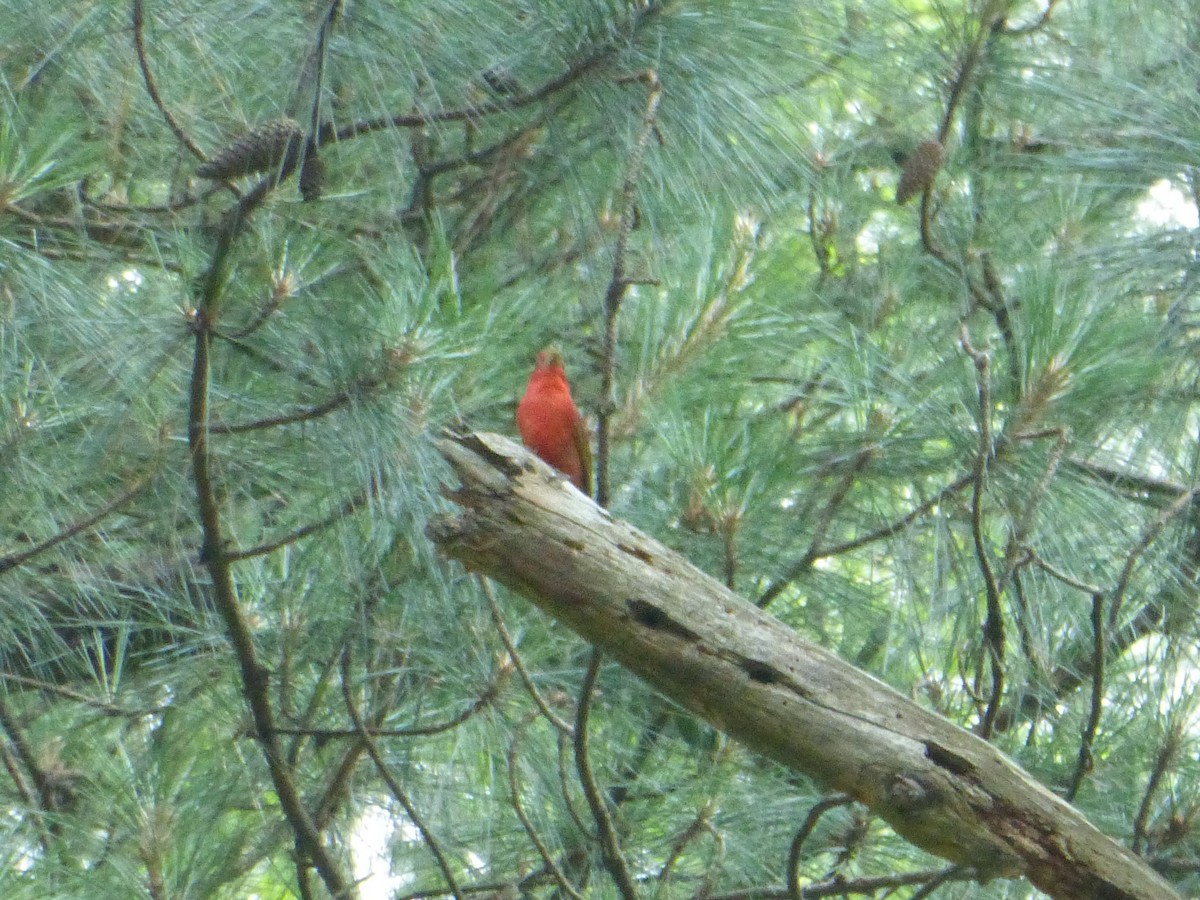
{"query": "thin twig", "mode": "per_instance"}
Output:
(316, 699)
(998, 305)
(967, 68)
(265, 359)
(845, 887)
(184, 202)
(935, 882)
(139, 44)
(108, 709)
(385, 773)
(1162, 761)
(1024, 524)
(563, 882)
(648, 739)
(814, 552)
(41, 778)
(1088, 736)
(485, 699)
(1132, 485)
(701, 824)
(511, 648)
(566, 752)
(1059, 575)
(970, 62)
(334, 403)
(23, 756)
(342, 512)
(255, 677)
(993, 629)
(1069, 675)
(644, 16)
(319, 52)
(1152, 531)
(338, 784)
(822, 806)
(610, 847)
(900, 524)
(618, 284)
(13, 560)
(13, 768)
(775, 588)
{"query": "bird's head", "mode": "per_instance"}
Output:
(549, 358)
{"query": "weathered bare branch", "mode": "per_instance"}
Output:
(747, 673)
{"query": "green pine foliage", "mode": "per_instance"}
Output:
(796, 411)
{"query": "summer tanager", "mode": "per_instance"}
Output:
(550, 423)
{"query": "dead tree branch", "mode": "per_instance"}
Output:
(747, 673)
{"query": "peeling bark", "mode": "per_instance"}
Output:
(940, 787)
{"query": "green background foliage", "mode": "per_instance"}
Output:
(795, 410)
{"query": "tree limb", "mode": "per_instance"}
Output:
(938, 786)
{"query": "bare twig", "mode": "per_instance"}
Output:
(344, 511)
(610, 847)
(12, 764)
(390, 780)
(1162, 761)
(1024, 524)
(822, 806)
(108, 709)
(814, 552)
(1132, 485)
(900, 524)
(998, 305)
(645, 14)
(1069, 675)
(927, 889)
(647, 740)
(1088, 736)
(255, 677)
(315, 703)
(845, 887)
(619, 284)
(184, 202)
(552, 867)
(42, 780)
(797, 569)
(993, 629)
(1059, 575)
(485, 699)
(13, 560)
(566, 753)
(701, 824)
(511, 648)
(271, 363)
(966, 69)
(139, 44)
(332, 11)
(334, 403)
(1152, 531)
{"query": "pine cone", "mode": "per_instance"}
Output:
(920, 169)
(312, 177)
(270, 147)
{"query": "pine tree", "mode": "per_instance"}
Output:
(254, 259)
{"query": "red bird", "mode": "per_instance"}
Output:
(550, 423)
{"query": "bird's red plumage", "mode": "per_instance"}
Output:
(550, 423)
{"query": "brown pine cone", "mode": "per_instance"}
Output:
(920, 169)
(268, 147)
